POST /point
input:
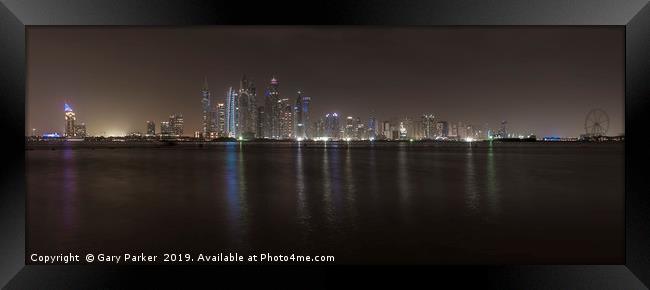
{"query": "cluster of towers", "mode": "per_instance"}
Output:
(171, 128)
(334, 127)
(278, 117)
(428, 127)
(241, 117)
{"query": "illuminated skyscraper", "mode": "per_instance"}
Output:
(232, 118)
(176, 123)
(261, 121)
(428, 126)
(403, 131)
(361, 132)
(221, 120)
(503, 132)
(332, 126)
(213, 131)
(247, 109)
(166, 129)
(301, 117)
(285, 119)
(442, 129)
(372, 128)
(151, 128)
(411, 128)
(70, 119)
(472, 132)
(350, 128)
(272, 109)
(386, 130)
(453, 132)
(207, 108)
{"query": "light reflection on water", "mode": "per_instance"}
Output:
(235, 180)
(403, 184)
(351, 189)
(492, 186)
(472, 195)
(69, 189)
(328, 207)
(406, 202)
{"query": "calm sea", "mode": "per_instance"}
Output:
(464, 203)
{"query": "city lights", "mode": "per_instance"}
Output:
(241, 117)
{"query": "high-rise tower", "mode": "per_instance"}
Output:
(207, 108)
(70, 119)
(442, 129)
(272, 109)
(428, 126)
(221, 120)
(350, 129)
(261, 119)
(301, 117)
(232, 118)
(247, 109)
(176, 124)
(332, 126)
(372, 127)
(151, 129)
(285, 120)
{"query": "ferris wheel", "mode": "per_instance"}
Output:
(596, 123)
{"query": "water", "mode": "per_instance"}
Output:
(537, 203)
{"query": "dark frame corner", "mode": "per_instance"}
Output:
(15, 15)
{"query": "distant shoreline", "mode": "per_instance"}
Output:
(54, 145)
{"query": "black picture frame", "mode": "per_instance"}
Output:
(15, 15)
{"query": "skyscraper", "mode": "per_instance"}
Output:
(319, 128)
(213, 131)
(372, 128)
(503, 132)
(442, 129)
(332, 126)
(301, 116)
(361, 130)
(428, 126)
(472, 132)
(349, 128)
(272, 109)
(207, 108)
(261, 121)
(403, 131)
(221, 120)
(166, 129)
(70, 119)
(176, 124)
(453, 132)
(232, 118)
(386, 130)
(411, 128)
(247, 109)
(151, 128)
(285, 119)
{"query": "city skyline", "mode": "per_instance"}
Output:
(119, 104)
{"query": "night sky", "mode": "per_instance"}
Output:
(542, 80)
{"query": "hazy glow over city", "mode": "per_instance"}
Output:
(541, 80)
